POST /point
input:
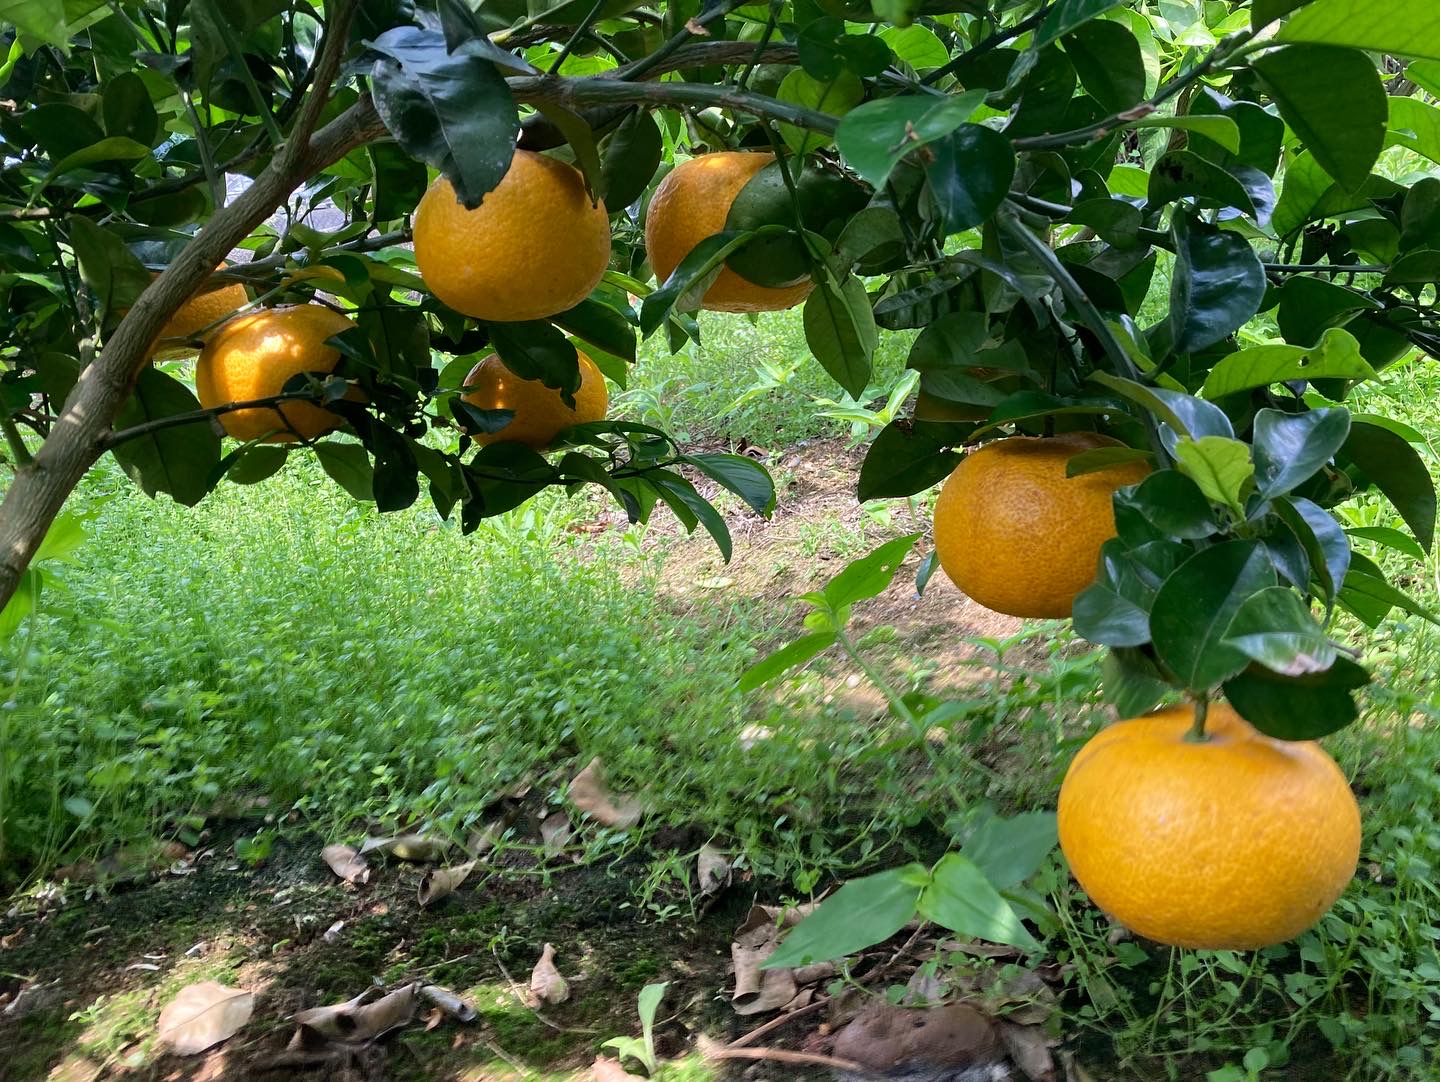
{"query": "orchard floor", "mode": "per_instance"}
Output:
(85, 971)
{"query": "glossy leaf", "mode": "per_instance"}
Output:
(1010, 850)
(790, 656)
(874, 137)
(1130, 682)
(1336, 356)
(905, 458)
(1221, 469)
(741, 475)
(840, 330)
(835, 96)
(1067, 15)
(1277, 629)
(960, 898)
(180, 461)
(1216, 286)
(860, 914)
(1170, 502)
(1108, 62)
(1297, 707)
(630, 159)
(970, 174)
(1322, 540)
(1403, 27)
(1391, 464)
(870, 575)
(348, 466)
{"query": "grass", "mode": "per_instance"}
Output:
(362, 671)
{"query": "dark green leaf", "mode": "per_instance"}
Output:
(179, 461)
(840, 330)
(826, 50)
(1334, 101)
(601, 326)
(1114, 609)
(400, 181)
(1277, 629)
(1030, 405)
(452, 110)
(970, 173)
(907, 457)
(1103, 458)
(835, 96)
(536, 350)
(681, 496)
(1194, 606)
(741, 475)
(1297, 707)
(790, 656)
(1107, 59)
(961, 899)
(1130, 681)
(860, 914)
(874, 137)
(1066, 16)
(1370, 598)
(128, 111)
(1322, 540)
(1392, 465)
(825, 201)
(690, 279)
(250, 465)
(631, 157)
(1185, 414)
(581, 140)
(107, 267)
(924, 571)
(1290, 448)
(1168, 501)
(1114, 220)
(1390, 538)
(348, 466)
(395, 485)
(1184, 173)
(870, 575)
(1216, 286)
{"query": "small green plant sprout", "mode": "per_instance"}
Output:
(642, 1048)
(972, 892)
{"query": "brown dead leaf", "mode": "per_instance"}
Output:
(714, 870)
(347, 863)
(353, 1023)
(609, 1070)
(589, 794)
(202, 1015)
(413, 847)
(546, 984)
(434, 1018)
(438, 883)
(448, 1002)
(1029, 1050)
(882, 1035)
(555, 833)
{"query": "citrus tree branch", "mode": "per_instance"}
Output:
(40, 488)
(179, 420)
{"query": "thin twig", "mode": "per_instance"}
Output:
(781, 1055)
(994, 41)
(777, 1022)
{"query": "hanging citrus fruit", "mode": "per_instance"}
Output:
(540, 413)
(1017, 535)
(211, 305)
(254, 355)
(535, 246)
(692, 203)
(1232, 842)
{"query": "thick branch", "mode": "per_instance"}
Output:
(40, 489)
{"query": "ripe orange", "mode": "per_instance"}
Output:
(691, 204)
(540, 413)
(253, 355)
(201, 310)
(1230, 843)
(535, 245)
(1017, 535)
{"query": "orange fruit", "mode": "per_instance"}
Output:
(253, 356)
(540, 413)
(534, 246)
(691, 204)
(199, 312)
(1230, 843)
(1017, 535)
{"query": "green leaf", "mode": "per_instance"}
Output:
(1114, 609)
(1322, 540)
(835, 96)
(1130, 681)
(790, 656)
(874, 137)
(22, 603)
(1220, 466)
(741, 475)
(602, 326)
(1065, 16)
(128, 111)
(452, 110)
(1187, 415)
(1116, 221)
(1370, 598)
(251, 465)
(1170, 502)
(870, 575)
(1183, 173)
(1031, 405)
(783, 258)
(348, 466)
(115, 148)
(1216, 128)
(62, 540)
(1390, 538)
(970, 174)
(533, 349)
(860, 914)
(1277, 629)
(1337, 356)
(826, 50)
(908, 457)
(396, 484)
(1217, 284)
(107, 267)
(631, 157)
(1334, 101)
(1009, 851)
(580, 137)
(178, 461)
(681, 497)
(840, 330)
(689, 280)
(915, 45)
(960, 898)
(1103, 458)
(1425, 74)
(1403, 27)
(1290, 448)
(1194, 606)
(1108, 61)
(1392, 465)
(1297, 707)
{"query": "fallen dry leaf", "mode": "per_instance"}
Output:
(1029, 1050)
(332, 933)
(437, 883)
(448, 1002)
(609, 1070)
(413, 847)
(555, 833)
(202, 1015)
(589, 794)
(486, 838)
(348, 864)
(546, 984)
(353, 1023)
(882, 1035)
(713, 868)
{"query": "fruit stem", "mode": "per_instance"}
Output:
(1197, 731)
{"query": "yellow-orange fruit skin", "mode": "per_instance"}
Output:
(690, 204)
(540, 413)
(253, 355)
(1231, 843)
(534, 247)
(1017, 535)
